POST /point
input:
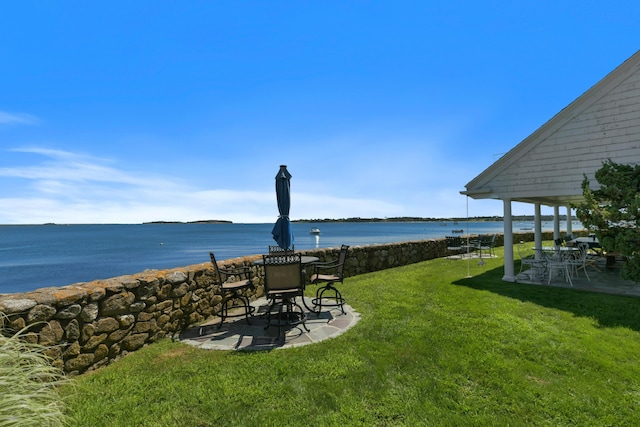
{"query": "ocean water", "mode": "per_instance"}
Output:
(36, 256)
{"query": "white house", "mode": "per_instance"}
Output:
(548, 167)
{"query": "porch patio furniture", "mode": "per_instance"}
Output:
(579, 260)
(595, 253)
(557, 261)
(533, 265)
(593, 260)
(284, 281)
(233, 282)
(329, 273)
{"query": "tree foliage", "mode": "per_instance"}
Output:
(612, 212)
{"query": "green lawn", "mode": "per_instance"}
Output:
(433, 347)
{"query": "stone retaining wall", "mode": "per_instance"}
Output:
(88, 325)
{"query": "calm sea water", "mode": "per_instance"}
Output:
(36, 256)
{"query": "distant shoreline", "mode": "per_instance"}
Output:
(515, 218)
(204, 221)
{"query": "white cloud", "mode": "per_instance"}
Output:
(67, 187)
(73, 167)
(17, 119)
(320, 206)
(71, 188)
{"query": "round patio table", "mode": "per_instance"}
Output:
(304, 259)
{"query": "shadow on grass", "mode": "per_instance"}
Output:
(607, 310)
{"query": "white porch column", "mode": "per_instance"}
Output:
(537, 233)
(569, 221)
(556, 222)
(509, 268)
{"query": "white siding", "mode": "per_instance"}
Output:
(554, 166)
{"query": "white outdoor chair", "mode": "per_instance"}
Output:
(535, 263)
(579, 260)
(558, 261)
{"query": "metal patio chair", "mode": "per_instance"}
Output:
(579, 260)
(233, 282)
(454, 245)
(532, 265)
(484, 242)
(329, 273)
(558, 261)
(284, 281)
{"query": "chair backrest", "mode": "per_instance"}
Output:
(275, 249)
(522, 251)
(232, 274)
(342, 258)
(216, 270)
(584, 250)
(453, 242)
(283, 272)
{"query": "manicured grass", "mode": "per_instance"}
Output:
(433, 347)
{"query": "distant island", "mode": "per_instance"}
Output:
(515, 218)
(203, 221)
(395, 219)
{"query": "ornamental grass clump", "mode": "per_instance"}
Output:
(28, 385)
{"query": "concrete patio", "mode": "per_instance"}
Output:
(237, 334)
(603, 279)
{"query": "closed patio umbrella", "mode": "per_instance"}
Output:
(282, 231)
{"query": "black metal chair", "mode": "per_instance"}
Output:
(454, 244)
(486, 242)
(233, 283)
(329, 273)
(284, 281)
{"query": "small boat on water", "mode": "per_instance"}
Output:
(314, 230)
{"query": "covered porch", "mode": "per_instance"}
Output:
(548, 167)
(604, 279)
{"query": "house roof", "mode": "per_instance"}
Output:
(548, 167)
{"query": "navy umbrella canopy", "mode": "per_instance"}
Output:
(282, 231)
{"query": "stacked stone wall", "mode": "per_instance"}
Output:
(88, 325)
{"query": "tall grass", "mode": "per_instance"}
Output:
(28, 385)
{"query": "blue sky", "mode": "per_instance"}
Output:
(134, 111)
